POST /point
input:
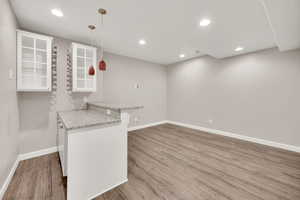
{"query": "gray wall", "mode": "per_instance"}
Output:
(119, 86)
(38, 110)
(256, 95)
(8, 100)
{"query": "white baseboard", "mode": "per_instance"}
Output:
(34, 154)
(8, 179)
(241, 137)
(224, 133)
(146, 125)
(110, 188)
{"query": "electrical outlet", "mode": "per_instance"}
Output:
(108, 112)
(210, 121)
(137, 86)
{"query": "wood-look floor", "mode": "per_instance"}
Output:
(174, 163)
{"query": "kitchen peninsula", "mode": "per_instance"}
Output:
(92, 146)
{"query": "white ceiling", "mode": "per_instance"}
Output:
(170, 27)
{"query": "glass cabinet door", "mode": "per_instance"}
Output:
(34, 62)
(83, 57)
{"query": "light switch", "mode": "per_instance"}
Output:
(11, 74)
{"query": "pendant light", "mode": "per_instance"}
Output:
(91, 70)
(102, 63)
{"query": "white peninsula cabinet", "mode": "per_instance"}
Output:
(83, 57)
(33, 62)
(92, 145)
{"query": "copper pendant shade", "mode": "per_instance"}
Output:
(102, 65)
(92, 70)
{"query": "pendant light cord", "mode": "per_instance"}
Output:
(91, 37)
(102, 26)
(100, 21)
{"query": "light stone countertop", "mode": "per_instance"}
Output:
(76, 119)
(115, 106)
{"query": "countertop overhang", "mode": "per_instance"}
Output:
(115, 106)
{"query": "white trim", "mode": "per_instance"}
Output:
(241, 137)
(8, 178)
(33, 90)
(80, 45)
(36, 35)
(110, 188)
(34, 154)
(146, 125)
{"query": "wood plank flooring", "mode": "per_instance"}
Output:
(174, 163)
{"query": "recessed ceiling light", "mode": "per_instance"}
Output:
(239, 49)
(57, 12)
(181, 56)
(142, 42)
(205, 22)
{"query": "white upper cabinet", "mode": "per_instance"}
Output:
(83, 58)
(33, 62)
